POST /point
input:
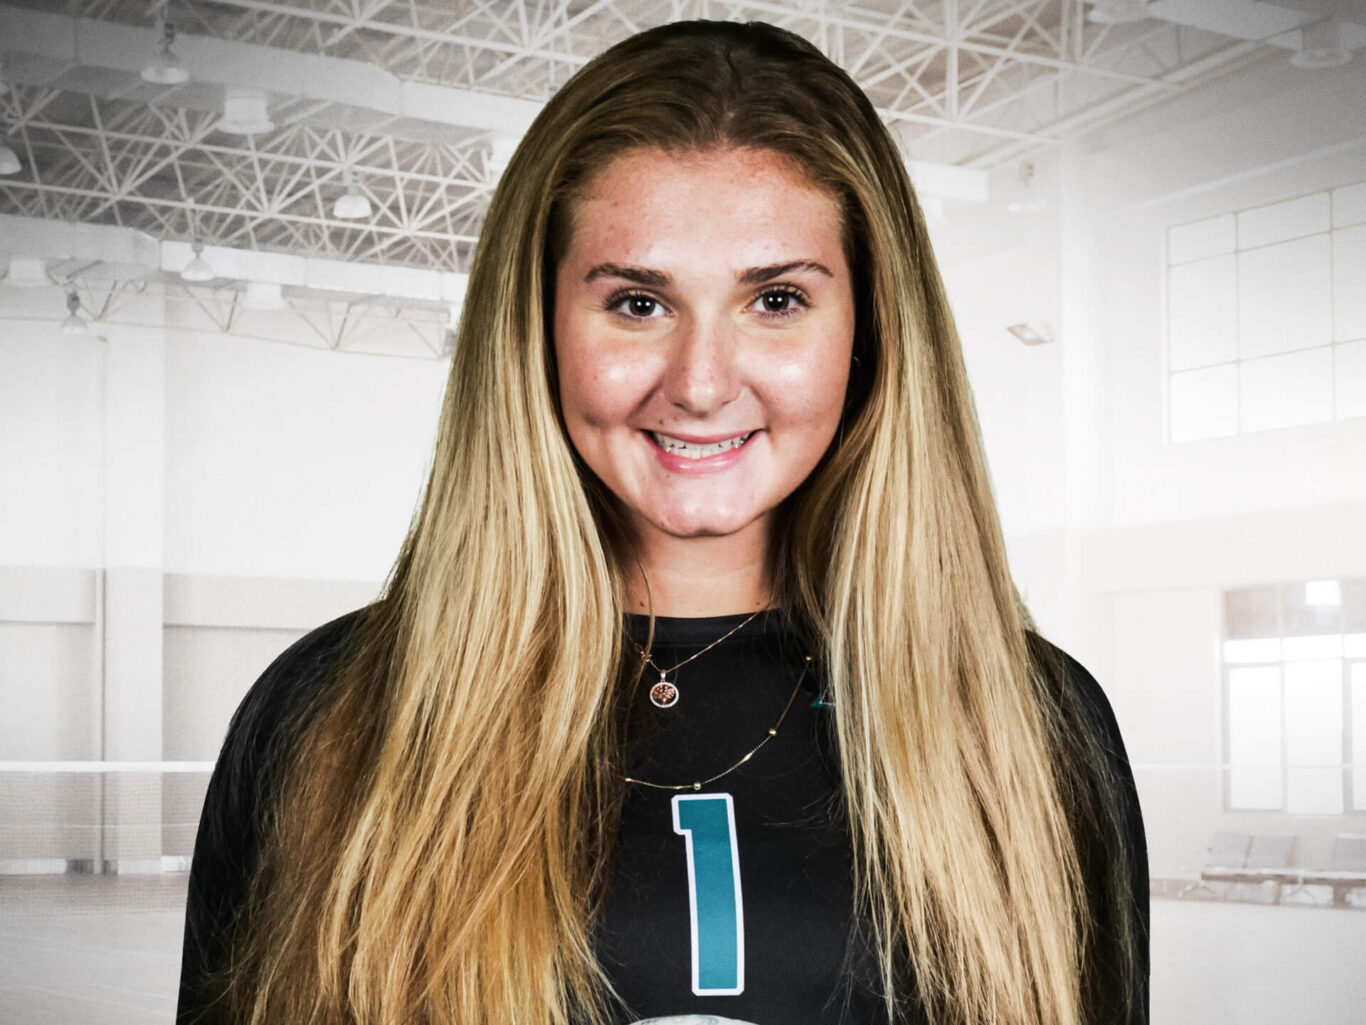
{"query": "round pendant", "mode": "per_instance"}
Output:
(664, 694)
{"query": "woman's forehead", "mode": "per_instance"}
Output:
(738, 200)
(754, 162)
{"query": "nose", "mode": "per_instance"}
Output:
(702, 376)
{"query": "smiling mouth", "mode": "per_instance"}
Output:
(691, 450)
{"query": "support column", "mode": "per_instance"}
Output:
(132, 525)
(1086, 429)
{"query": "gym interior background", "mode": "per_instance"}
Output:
(234, 237)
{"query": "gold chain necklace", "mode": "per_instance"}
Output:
(772, 732)
(665, 694)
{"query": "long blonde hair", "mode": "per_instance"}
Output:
(439, 842)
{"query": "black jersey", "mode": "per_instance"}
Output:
(732, 899)
(735, 899)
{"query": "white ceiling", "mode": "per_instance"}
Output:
(412, 96)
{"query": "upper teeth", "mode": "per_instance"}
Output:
(690, 451)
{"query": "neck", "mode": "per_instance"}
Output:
(699, 577)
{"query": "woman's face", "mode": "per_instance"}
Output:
(703, 327)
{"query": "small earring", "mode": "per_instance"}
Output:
(853, 362)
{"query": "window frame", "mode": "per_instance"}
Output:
(1352, 803)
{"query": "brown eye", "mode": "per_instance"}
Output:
(635, 305)
(780, 302)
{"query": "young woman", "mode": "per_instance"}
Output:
(700, 684)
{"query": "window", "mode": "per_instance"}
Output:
(1266, 316)
(1294, 666)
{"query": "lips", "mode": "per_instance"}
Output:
(694, 449)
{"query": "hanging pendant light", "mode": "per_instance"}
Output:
(165, 68)
(244, 112)
(74, 324)
(1028, 199)
(352, 205)
(198, 269)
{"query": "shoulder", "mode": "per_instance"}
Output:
(1080, 692)
(1091, 745)
(280, 696)
(293, 678)
(1112, 843)
(240, 794)
(267, 719)
(264, 730)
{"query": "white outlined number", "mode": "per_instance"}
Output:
(716, 909)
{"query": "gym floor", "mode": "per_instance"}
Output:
(105, 950)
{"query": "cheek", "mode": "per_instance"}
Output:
(597, 389)
(810, 392)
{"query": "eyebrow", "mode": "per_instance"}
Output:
(658, 279)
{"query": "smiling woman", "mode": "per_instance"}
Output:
(703, 330)
(700, 685)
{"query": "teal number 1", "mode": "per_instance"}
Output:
(707, 822)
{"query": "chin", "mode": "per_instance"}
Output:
(704, 526)
(691, 532)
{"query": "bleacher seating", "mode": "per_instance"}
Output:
(1238, 860)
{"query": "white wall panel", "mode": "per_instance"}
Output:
(1349, 205)
(1214, 236)
(1349, 372)
(1349, 284)
(1285, 298)
(1285, 391)
(1278, 222)
(1164, 686)
(49, 441)
(292, 462)
(1202, 313)
(48, 705)
(1017, 388)
(1152, 481)
(208, 671)
(1204, 403)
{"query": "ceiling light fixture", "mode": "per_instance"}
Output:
(1032, 332)
(165, 68)
(9, 160)
(1030, 200)
(1321, 47)
(352, 205)
(198, 269)
(1116, 12)
(244, 112)
(74, 324)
